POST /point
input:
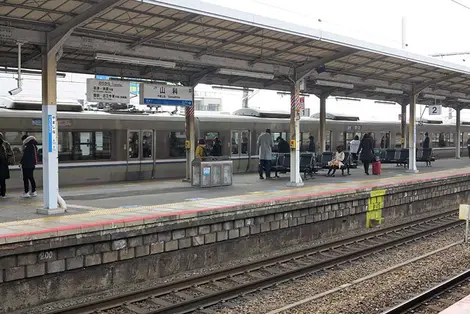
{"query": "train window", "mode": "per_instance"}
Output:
(177, 144)
(133, 141)
(304, 141)
(102, 145)
(451, 139)
(235, 142)
(86, 147)
(442, 140)
(398, 140)
(147, 144)
(245, 139)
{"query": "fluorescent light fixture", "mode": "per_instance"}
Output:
(260, 75)
(288, 94)
(434, 96)
(28, 72)
(463, 100)
(134, 60)
(232, 88)
(334, 84)
(347, 98)
(389, 91)
(385, 102)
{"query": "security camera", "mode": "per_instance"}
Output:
(15, 91)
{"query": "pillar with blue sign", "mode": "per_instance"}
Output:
(49, 136)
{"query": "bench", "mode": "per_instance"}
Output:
(308, 166)
(348, 163)
(401, 156)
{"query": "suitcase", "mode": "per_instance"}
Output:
(376, 168)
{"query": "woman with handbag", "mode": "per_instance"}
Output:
(366, 151)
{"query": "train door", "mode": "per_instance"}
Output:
(140, 154)
(348, 137)
(384, 140)
(240, 144)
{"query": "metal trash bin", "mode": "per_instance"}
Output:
(211, 172)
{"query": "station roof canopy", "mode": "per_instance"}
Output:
(204, 43)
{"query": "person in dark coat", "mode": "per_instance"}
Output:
(28, 164)
(366, 151)
(311, 144)
(426, 140)
(4, 170)
(217, 147)
(282, 146)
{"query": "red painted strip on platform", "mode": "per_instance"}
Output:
(190, 211)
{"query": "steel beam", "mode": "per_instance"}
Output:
(450, 76)
(162, 31)
(56, 37)
(226, 42)
(272, 54)
(306, 68)
(78, 43)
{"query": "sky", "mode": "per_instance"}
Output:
(437, 26)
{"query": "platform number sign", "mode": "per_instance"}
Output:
(435, 110)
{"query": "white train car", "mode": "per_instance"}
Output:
(101, 147)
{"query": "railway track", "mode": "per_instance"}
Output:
(201, 292)
(437, 298)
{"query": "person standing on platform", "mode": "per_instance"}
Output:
(201, 149)
(264, 146)
(366, 150)
(283, 146)
(311, 145)
(217, 147)
(6, 155)
(28, 164)
(426, 141)
(468, 147)
(354, 147)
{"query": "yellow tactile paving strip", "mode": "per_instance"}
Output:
(120, 214)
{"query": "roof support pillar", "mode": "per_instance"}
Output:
(403, 125)
(49, 135)
(295, 178)
(190, 131)
(322, 131)
(412, 133)
(458, 132)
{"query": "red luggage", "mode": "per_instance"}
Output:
(376, 168)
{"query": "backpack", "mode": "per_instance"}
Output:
(6, 153)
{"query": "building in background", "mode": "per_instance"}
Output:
(207, 101)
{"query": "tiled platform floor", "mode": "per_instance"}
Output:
(93, 207)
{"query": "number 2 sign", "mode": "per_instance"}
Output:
(435, 110)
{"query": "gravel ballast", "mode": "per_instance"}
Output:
(370, 296)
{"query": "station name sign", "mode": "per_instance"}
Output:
(107, 91)
(166, 95)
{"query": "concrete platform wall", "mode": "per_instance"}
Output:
(41, 271)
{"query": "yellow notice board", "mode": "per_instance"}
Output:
(374, 209)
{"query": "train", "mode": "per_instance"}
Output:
(113, 146)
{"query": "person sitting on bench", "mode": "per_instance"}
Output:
(336, 162)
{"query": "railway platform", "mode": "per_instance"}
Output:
(101, 204)
(132, 232)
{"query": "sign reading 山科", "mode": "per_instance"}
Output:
(107, 91)
(165, 95)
